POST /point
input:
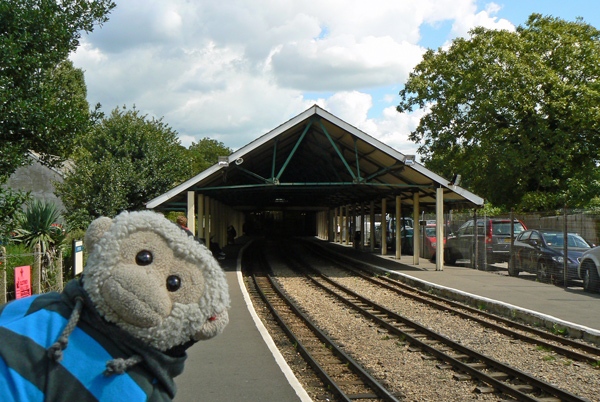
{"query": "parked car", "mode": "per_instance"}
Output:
(430, 240)
(493, 239)
(541, 252)
(406, 235)
(589, 270)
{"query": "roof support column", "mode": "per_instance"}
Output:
(331, 225)
(363, 227)
(201, 216)
(346, 226)
(240, 223)
(191, 211)
(398, 227)
(208, 219)
(224, 220)
(214, 221)
(319, 220)
(383, 226)
(320, 226)
(416, 228)
(439, 229)
(372, 224)
(338, 228)
(353, 225)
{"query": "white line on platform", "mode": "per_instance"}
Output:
(285, 368)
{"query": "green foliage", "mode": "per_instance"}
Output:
(18, 255)
(39, 106)
(490, 210)
(126, 160)
(206, 152)
(39, 225)
(10, 211)
(517, 114)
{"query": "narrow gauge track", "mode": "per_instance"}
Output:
(497, 376)
(340, 373)
(561, 345)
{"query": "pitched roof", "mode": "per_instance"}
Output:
(314, 161)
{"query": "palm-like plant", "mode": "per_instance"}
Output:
(39, 226)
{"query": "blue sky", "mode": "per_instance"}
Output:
(234, 70)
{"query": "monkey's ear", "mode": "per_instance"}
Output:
(95, 231)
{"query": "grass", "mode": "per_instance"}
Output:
(560, 331)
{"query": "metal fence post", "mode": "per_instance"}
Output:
(476, 240)
(36, 272)
(512, 239)
(2, 275)
(565, 248)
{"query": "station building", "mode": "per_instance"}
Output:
(316, 175)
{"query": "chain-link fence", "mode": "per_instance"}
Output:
(543, 246)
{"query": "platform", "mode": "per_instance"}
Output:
(238, 365)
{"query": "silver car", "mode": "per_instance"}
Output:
(589, 270)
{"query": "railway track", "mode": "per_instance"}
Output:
(567, 347)
(341, 375)
(492, 375)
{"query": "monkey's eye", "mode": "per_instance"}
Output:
(143, 258)
(173, 283)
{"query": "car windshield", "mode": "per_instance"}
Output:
(430, 231)
(500, 228)
(503, 228)
(557, 239)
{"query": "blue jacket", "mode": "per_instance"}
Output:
(30, 326)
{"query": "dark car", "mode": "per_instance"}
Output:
(589, 270)
(493, 239)
(406, 235)
(541, 252)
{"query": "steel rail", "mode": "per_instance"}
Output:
(459, 365)
(369, 381)
(593, 353)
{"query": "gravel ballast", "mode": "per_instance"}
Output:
(410, 373)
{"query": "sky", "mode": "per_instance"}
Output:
(234, 70)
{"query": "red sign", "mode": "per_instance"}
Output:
(23, 281)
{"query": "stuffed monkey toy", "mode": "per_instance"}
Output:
(120, 333)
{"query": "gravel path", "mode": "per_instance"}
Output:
(409, 373)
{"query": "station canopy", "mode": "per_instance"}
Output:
(316, 161)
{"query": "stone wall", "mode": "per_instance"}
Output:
(38, 179)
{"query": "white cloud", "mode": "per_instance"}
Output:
(234, 70)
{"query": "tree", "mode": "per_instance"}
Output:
(11, 203)
(36, 109)
(517, 114)
(69, 87)
(126, 160)
(206, 152)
